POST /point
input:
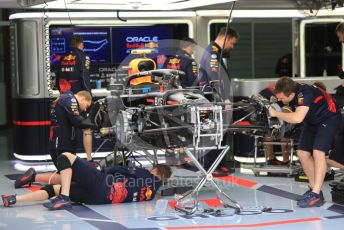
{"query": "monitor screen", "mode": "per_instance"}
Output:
(96, 43)
(109, 47)
(156, 38)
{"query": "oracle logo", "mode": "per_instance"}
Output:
(107, 69)
(142, 39)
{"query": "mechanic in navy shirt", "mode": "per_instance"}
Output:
(74, 68)
(211, 65)
(82, 183)
(184, 61)
(210, 68)
(74, 76)
(65, 120)
(321, 117)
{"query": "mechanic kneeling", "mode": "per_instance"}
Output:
(66, 119)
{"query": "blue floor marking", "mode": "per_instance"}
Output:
(88, 214)
(278, 192)
(337, 208)
(334, 217)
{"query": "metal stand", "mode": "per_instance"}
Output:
(189, 202)
(275, 169)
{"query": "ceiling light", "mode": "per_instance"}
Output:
(27, 3)
(142, 5)
(251, 13)
(135, 4)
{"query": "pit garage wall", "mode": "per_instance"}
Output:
(3, 92)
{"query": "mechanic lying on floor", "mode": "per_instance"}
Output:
(80, 182)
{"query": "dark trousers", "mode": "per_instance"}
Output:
(89, 185)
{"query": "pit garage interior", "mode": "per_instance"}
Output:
(138, 126)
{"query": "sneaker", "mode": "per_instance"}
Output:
(61, 202)
(275, 162)
(27, 178)
(303, 196)
(53, 199)
(224, 169)
(189, 167)
(312, 200)
(220, 172)
(9, 200)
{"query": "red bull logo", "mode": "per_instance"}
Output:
(118, 193)
(152, 45)
(149, 193)
(68, 60)
(173, 63)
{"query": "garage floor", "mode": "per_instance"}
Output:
(253, 193)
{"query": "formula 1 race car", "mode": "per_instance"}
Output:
(159, 114)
